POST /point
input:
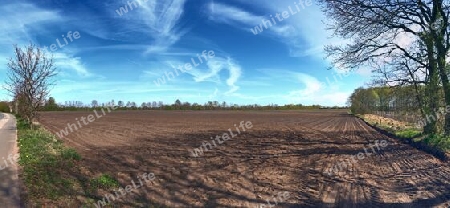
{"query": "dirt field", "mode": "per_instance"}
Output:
(283, 152)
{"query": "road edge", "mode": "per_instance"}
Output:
(15, 168)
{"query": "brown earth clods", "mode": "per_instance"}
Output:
(285, 151)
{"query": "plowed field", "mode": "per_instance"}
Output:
(297, 153)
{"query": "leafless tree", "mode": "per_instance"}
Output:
(377, 30)
(30, 76)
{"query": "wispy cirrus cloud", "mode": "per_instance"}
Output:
(247, 21)
(66, 62)
(15, 25)
(22, 28)
(211, 70)
(231, 15)
(215, 66)
(304, 32)
(235, 73)
(158, 19)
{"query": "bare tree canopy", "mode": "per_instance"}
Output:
(406, 42)
(30, 74)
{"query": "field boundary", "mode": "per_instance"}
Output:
(419, 145)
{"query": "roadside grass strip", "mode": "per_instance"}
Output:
(43, 159)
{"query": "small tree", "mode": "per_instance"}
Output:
(30, 74)
(177, 103)
(94, 103)
(51, 101)
(51, 105)
(4, 107)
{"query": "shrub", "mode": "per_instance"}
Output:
(4, 107)
(408, 133)
(439, 141)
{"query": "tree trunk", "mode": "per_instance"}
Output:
(432, 90)
(438, 35)
(446, 89)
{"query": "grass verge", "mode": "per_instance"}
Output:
(437, 145)
(44, 160)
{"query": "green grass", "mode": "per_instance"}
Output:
(43, 158)
(70, 154)
(22, 124)
(439, 141)
(104, 181)
(408, 133)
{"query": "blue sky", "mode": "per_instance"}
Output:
(129, 55)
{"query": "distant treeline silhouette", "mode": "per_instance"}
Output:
(177, 105)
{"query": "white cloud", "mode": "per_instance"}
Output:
(159, 20)
(326, 99)
(213, 70)
(214, 94)
(65, 61)
(215, 66)
(15, 23)
(20, 24)
(232, 15)
(303, 32)
(235, 73)
(316, 92)
(312, 85)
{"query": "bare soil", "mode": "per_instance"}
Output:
(285, 151)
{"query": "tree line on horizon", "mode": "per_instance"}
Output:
(52, 105)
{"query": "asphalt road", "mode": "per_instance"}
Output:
(9, 182)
